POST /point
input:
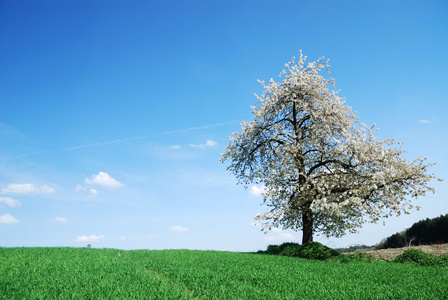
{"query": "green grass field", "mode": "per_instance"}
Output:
(81, 273)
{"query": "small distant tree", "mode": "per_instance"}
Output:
(323, 170)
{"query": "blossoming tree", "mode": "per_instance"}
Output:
(323, 170)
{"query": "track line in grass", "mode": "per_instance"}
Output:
(166, 281)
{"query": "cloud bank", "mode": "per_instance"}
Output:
(26, 188)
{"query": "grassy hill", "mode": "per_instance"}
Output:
(81, 273)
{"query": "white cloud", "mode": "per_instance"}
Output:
(286, 236)
(179, 229)
(280, 238)
(103, 179)
(46, 189)
(257, 191)
(90, 239)
(425, 121)
(8, 219)
(175, 147)
(208, 143)
(10, 202)
(24, 188)
(61, 220)
(92, 192)
(122, 238)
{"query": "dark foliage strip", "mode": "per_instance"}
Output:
(424, 232)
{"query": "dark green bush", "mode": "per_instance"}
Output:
(443, 259)
(419, 257)
(285, 245)
(362, 256)
(273, 249)
(279, 249)
(291, 249)
(315, 250)
(344, 259)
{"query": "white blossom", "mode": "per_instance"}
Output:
(322, 169)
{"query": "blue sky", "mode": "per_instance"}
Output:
(113, 114)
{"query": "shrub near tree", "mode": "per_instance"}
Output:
(315, 250)
(312, 250)
(323, 170)
(419, 257)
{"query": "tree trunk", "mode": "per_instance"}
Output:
(307, 222)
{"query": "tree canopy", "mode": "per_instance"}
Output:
(323, 170)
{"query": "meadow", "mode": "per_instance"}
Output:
(82, 273)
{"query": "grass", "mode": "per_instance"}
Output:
(81, 273)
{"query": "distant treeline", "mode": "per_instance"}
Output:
(424, 232)
(355, 248)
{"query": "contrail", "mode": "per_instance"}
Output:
(123, 140)
(199, 128)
